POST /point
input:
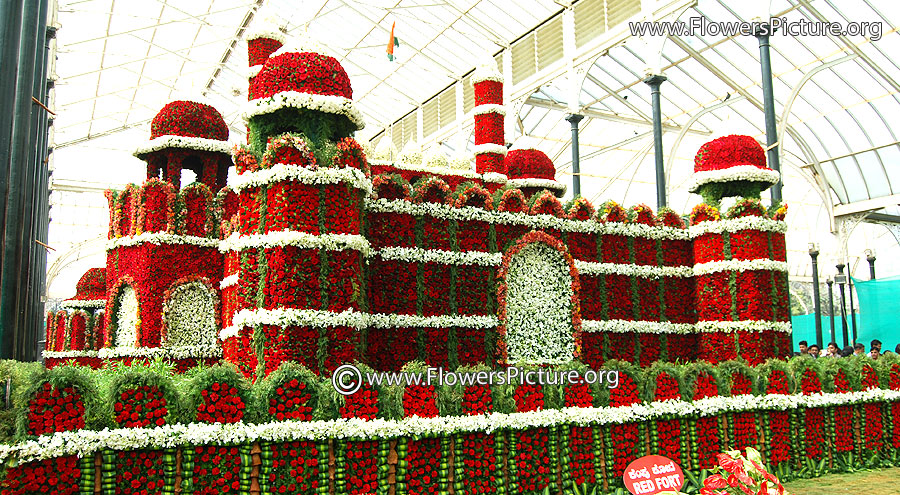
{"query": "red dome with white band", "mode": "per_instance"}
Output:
(302, 78)
(187, 124)
(731, 159)
(530, 167)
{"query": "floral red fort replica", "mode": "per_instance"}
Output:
(317, 257)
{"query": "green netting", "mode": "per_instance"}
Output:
(879, 311)
(803, 327)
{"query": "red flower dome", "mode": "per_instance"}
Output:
(91, 285)
(729, 151)
(189, 119)
(304, 72)
(529, 164)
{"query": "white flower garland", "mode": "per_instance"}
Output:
(486, 73)
(530, 182)
(229, 281)
(489, 108)
(492, 177)
(732, 225)
(160, 238)
(628, 326)
(285, 317)
(740, 266)
(84, 443)
(293, 99)
(172, 141)
(266, 28)
(282, 172)
(743, 326)
(253, 70)
(83, 303)
(733, 174)
(419, 255)
(189, 314)
(180, 352)
(632, 270)
(446, 212)
(539, 307)
(303, 240)
(490, 148)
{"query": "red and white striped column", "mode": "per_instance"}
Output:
(490, 142)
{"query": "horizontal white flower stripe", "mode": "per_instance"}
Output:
(743, 326)
(84, 443)
(253, 71)
(628, 326)
(497, 149)
(229, 281)
(281, 172)
(293, 99)
(418, 255)
(161, 238)
(284, 317)
(740, 266)
(492, 177)
(489, 108)
(545, 183)
(83, 303)
(732, 225)
(731, 174)
(305, 240)
(485, 73)
(265, 30)
(194, 143)
(447, 212)
(180, 352)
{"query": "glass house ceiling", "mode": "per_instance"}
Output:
(836, 98)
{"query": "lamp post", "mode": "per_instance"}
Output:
(831, 309)
(817, 305)
(763, 29)
(655, 81)
(841, 279)
(852, 311)
(870, 257)
(573, 119)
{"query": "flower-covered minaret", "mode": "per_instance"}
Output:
(490, 143)
(263, 39)
(301, 184)
(163, 266)
(739, 256)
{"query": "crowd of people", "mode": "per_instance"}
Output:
(832, 350)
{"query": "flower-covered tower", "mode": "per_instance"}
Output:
(490, 143)
(301, 184)
(163, 265)
(262, 40)
(740, 260)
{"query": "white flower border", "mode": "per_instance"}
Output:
(303, 240)
(193, 143)
(293, 99)
(743, 326)
(732, 225)
(485, 73)
(281, 172)
(84, 443)
(284, 317)
(490, 148)
(465, 213)
(492, 177)
(487, 108)
(628, 326)
(229, 281)
(266, 30)
(253, 70)
(733, 174)
(83, 303)
(632, 270)
(740, 266)
(533, 182)
(180, 352)
(160, 238)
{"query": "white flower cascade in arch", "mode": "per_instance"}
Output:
(189, 315)
(539, 307)
(127, 318)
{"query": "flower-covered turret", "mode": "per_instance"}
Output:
(532, 170)
(731, 166)
(490, 143)
(187, 135)
(90, 291)
(263, 39)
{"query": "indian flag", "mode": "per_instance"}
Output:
(392, 43)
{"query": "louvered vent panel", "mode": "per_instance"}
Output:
(524, 62)
(447, 107)
(409, 128)
(590, 20)
(549, 43)
(430, 122)
(619, 11)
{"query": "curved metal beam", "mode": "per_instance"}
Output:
(77, 252)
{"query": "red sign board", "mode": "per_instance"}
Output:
(652, 474)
